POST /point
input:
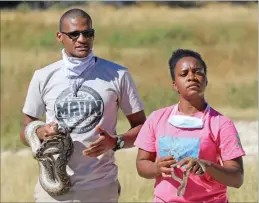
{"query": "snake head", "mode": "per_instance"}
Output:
(39, 154)
(64, 130)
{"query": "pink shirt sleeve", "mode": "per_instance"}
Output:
(229, 141)
(146, 138)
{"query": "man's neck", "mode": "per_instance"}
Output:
(191, 107)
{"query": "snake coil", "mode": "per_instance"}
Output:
(53, 176)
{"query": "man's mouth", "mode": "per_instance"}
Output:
(82, 48)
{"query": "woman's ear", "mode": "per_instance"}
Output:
(175, 87)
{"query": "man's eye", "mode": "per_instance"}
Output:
(74, 34)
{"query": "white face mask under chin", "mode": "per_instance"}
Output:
(77, 69)
(188, 122)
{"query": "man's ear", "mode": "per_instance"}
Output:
(60, 37)
(175, 87)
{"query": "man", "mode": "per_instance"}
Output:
(83, 92)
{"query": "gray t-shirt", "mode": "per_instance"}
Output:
(108, 88)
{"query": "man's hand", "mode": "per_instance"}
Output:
(164, 165)
(47, 130)
(104, 143)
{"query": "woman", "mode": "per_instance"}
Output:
(190, 140)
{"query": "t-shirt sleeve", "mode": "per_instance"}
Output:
(129, 100)
(230, 146)
(34, 105)
(146, 138)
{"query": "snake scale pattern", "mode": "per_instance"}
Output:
(183, 182)
(52, 155)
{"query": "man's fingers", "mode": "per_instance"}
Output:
(51, 129)
(96, 154)
(93, 150)
(97, 142)
(93, 153)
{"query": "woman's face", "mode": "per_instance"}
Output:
(190, 78)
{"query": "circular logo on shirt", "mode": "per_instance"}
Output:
(81, 113)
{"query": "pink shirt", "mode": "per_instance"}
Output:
(217, 141)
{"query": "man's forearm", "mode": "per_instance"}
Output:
(22, 136)
(28, 120)
(130, 136)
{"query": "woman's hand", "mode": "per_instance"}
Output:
(193, 165)
(164, 165)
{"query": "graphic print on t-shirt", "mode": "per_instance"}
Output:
(81, 113)
(179, 147)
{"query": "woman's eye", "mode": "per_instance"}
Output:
(199, 72)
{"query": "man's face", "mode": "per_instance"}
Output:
(190, 78)
(75, 44)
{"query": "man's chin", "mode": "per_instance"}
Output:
(81, 54)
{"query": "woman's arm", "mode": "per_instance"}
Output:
(148, 167)
(230, 174)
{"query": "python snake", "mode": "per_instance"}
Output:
(183, 182)
(53, 176)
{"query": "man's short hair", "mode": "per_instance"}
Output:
(73, 13)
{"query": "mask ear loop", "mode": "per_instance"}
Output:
(173, 111)
(207, 110)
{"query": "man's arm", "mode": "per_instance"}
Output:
(42, 132)
(129, 102)
(136, 121)
(107, 142)
(26, 120)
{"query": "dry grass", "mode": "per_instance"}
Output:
(137, 16)
(226, 36)
(143, 42)
(19, 175)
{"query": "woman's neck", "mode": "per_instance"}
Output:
(191, 107)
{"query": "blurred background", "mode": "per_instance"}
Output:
(141, 36)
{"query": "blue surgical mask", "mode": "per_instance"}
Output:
(189, 122)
